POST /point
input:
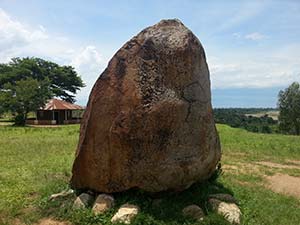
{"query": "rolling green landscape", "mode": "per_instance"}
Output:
(36, 162)
(197, 102)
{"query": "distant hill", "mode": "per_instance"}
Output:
(262, 120)
(272, 113)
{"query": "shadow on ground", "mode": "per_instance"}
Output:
(161, 209)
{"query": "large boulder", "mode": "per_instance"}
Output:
(149, 122)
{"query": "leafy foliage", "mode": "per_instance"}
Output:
(64, 81)
(289, 108)
(235, 117)
(24, 96)
(26, 84)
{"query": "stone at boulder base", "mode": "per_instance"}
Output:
(62, 194)
(224, 197)
(194, 212)
(125, 214)
(230, 211)
(82, 201)
(103, 203)
(149, 123)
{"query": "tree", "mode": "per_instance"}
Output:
(2, 109)
(266, 129)
(289, 109)
(24, 96)
(26, 84)
(64, 81)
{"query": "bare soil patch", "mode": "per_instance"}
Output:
(17, 221)
(242, 168)
(256, 167)
(280, 183)
(6, 123)
(237, 154)
(277, 165)
(229, 167)
(244, 183)
(294, 162)
(39, 126)
(28, 209)
(50, 221)
(284, 184)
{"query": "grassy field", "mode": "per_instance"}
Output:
(36, 162)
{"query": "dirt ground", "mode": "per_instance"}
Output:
(44, 221)
(50, 221)
(279, 183)
(284, 184)
(277, 165)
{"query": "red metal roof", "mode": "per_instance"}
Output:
(56, 104)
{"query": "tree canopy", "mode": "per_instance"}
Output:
(237, 117)
(64, 80)
(289, 109)
(26, 84)
(24, 96)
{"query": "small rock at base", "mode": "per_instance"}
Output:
(230, 211)
(61, 194)
(103, 203)
(194, 212)
(224, 197)
(125, 214)
(82, 201)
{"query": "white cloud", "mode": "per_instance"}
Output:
(255, 36)
(254, 70)
(89, 63)
(88, 59)
(14, 34)
(237, 35)
(245, 12)
(20, 40)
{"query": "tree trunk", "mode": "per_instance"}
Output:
(297, 130)
(20, 118)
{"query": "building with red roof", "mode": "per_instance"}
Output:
(57, 111)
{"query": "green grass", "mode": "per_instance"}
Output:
(256, 146)
(36, 162)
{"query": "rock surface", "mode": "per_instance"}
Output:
(230, 211)
(224, 197)
(61, 194)
(149, 123)
(194, 212)
(125, 214)
(83, 200)
(103, 203)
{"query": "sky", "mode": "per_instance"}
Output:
(252, 47)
